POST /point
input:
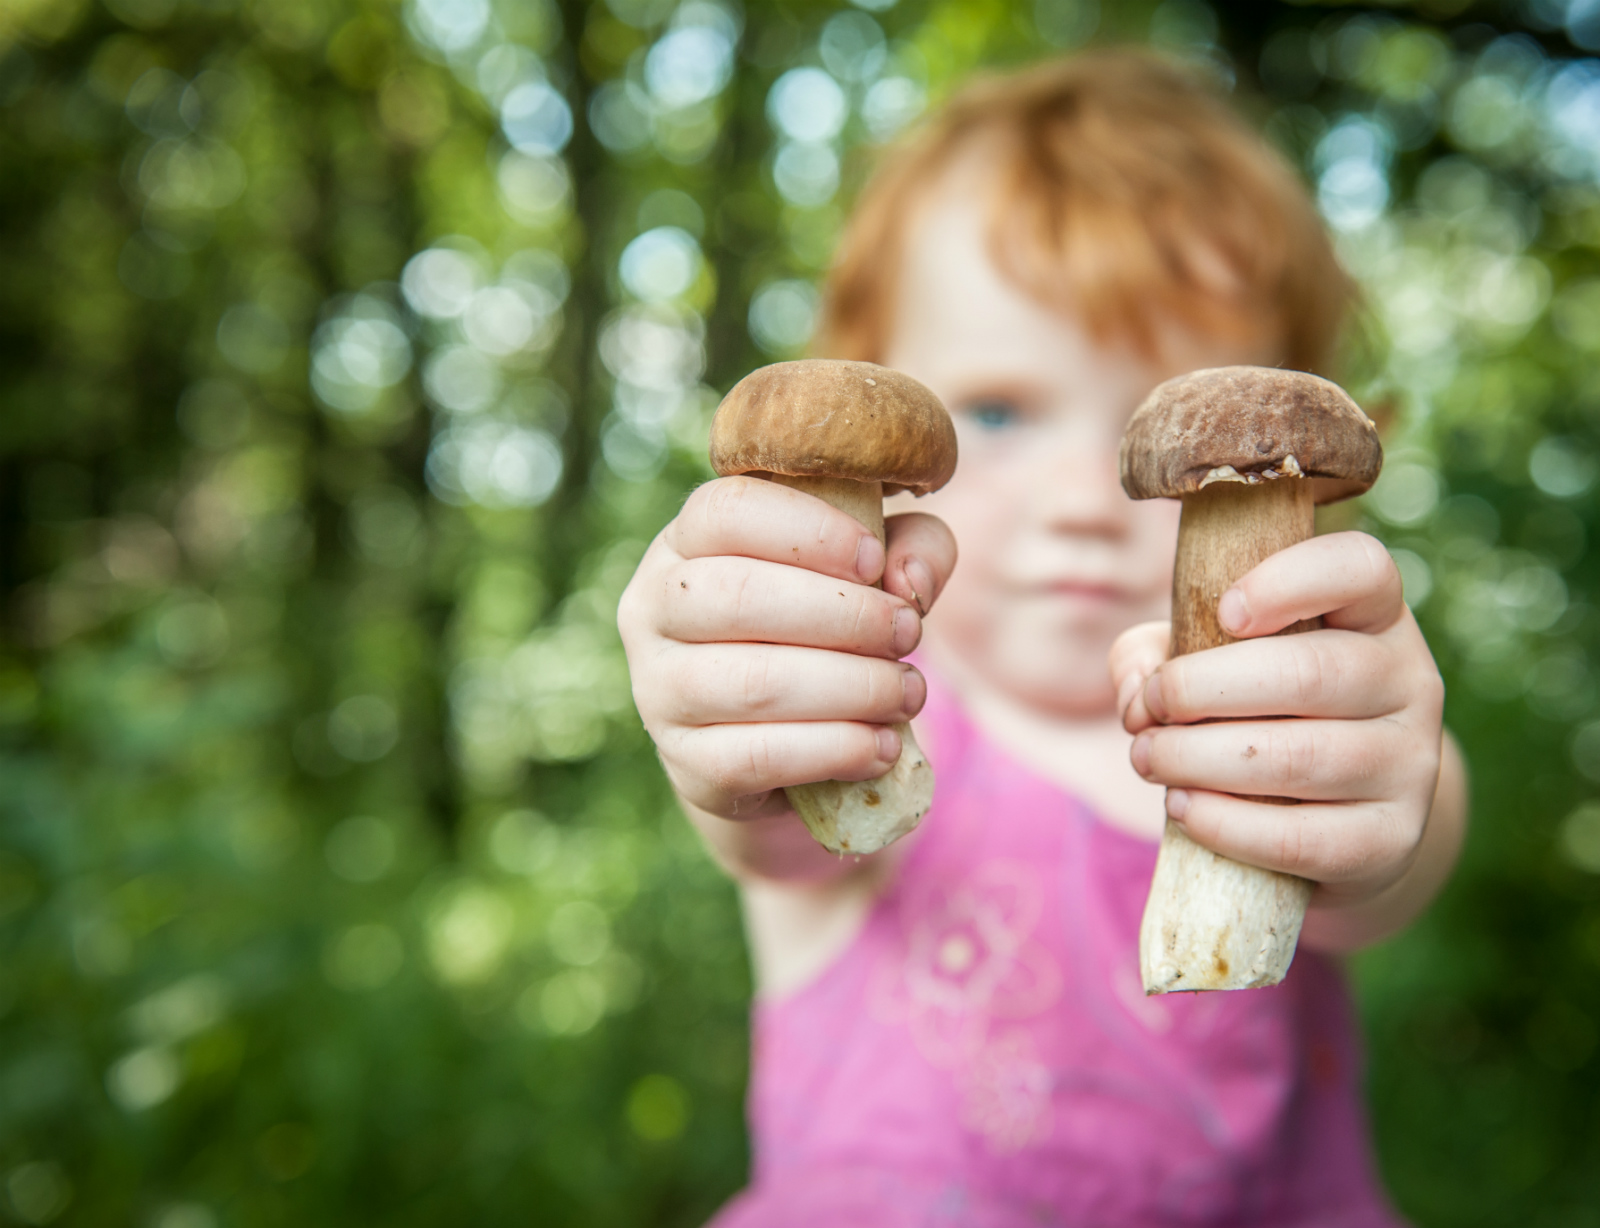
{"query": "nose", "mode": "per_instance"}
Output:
(1079, 489)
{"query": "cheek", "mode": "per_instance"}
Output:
(1156, 517)
(1153, 532)
(973, 600)
(980, 515)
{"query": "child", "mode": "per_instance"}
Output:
(952, 1031)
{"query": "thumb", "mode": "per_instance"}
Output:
(1138, 652)
(920, 557)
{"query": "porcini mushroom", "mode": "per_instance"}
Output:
(1249, 450)
(848, 433)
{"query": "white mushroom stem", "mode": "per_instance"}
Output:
(1211, 923)
(863, 816)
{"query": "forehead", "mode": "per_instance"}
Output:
(954, 297)
(955, 305)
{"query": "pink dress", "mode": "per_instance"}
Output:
(983, 1056)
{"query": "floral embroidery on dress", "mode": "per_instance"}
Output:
(969, 963)
(1006, 1093)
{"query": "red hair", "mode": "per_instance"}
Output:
(1127, 192)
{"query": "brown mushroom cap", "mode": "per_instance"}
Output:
(1249, 424)
(822, 418)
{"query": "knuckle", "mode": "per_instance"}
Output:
(1292, 756)
(874, 618)
(1313, 671)
(759, 687)
(1149, 644)
(738, 592)
(1430, 692)
(1376, 563)
(757, 760)
(870, 620)
(695, 508)
(739, 763)
(852, 617)
(634, 605)
(1346, 860)
(629, 614)
(1371, 759)
(676, 751)
(1398, 837)
(1413, 756)
(657, 723)
(695, 767)
(1298, 848)
(925, 534)
(1378, 558)
(1374, 843)
(682, 690)
(1177, 690)
(718, 503)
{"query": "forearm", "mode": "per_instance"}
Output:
(802, 904)
(1339, 929)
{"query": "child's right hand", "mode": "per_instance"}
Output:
(761, 653)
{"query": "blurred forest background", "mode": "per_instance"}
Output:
(350, 353)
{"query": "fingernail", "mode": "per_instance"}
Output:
(920, 581)
(1177, 804)
(869, 559)
(1233, 612)
(1154, 702)
(1140, 755)
(916, 692)
(888, 745)
(907, 630)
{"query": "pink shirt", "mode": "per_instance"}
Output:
(983, 1055)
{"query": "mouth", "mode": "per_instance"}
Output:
(1086, 590)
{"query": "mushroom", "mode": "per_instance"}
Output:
(848, 433)
(1249, 450)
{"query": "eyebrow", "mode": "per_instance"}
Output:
(997, 387)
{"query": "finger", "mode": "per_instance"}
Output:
(764, 520)
(1319, 673)
(921, 556)
(1329, 844)
(724, 598)
(712, 765)
(1348, 579)
(1137, 653)
(717, 683)
(1306, 760)
(636, 610)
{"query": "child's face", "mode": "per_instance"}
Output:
(1055, 560)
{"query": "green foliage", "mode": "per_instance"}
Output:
(352, 351)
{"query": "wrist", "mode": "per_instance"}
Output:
(772, 845)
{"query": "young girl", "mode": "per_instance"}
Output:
(952, 1031)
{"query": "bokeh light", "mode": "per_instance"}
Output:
(356, 352)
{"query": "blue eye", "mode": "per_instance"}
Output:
(994, 415)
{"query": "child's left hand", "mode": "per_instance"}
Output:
(1346, 719)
